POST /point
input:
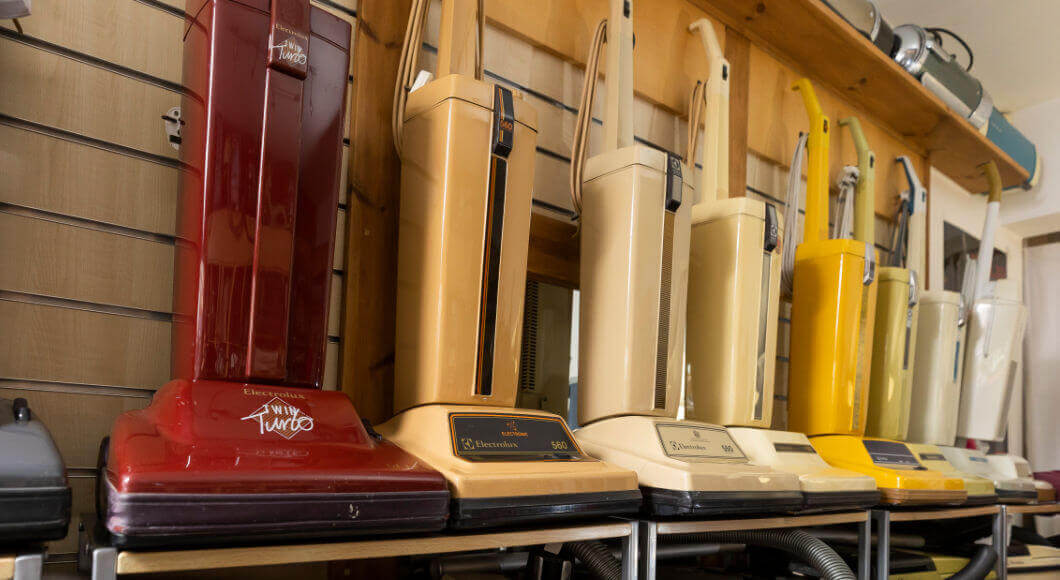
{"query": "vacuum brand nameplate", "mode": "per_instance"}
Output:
(794, 448)
(891, 454)
(687, 442)
(932, 457)
(512, 437)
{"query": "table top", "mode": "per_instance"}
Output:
(1044, 508)
(796, 521)
(942, 514)
(134, 562)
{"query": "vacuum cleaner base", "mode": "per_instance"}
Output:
(178, 519)
(672, 502)
(918, 497)
(1012, 496)
(820, 501)
(470, 513)
(486, 453)
(32, 515)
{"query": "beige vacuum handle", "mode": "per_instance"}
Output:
(459, 39)
(714, 178)
(618, 109)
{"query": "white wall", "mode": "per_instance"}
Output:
(1037, 211)
(949, 202)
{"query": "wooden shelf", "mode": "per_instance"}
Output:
(821, 45)
(137, 562)
(700, 526)
(942, 514)
(1041, 509)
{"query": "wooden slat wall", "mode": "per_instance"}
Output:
(88, 206)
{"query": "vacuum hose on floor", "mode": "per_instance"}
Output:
(796, 542)
(979, 566)
(597, 557)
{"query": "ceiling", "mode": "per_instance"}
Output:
(1015, 42)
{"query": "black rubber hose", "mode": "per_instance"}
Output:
(597, 557)
(796, 542)
(980, 565)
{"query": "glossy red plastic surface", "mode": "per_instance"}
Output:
(262, 148)
(215, 437)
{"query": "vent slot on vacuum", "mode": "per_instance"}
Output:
(528, 355)
(665, 283)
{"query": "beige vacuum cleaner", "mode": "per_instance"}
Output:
(467, 152)
(635, 207)
(733, 303)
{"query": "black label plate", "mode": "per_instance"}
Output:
(794, 448)
(512, 437)
(891, 454)
(932, 457)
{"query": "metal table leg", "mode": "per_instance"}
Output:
(865, 549)
(1000, 542)
(883, 543)
(630, 552)
(29, 566)
(649, 543)
(104, 563)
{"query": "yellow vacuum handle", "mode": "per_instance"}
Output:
(714, 179)
(865, 200)
(817, 165)
(993, 179)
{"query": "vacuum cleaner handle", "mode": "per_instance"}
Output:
(986, 244)
(714, 179)
(817, 160)
(865, 200)
(917, 194)
(618, 106)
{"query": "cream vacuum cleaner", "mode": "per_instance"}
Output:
(635, 209)
(733, 303)
(467, 151)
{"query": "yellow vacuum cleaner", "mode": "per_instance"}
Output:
(733, 303)
(635, 207)
(833, 309)
(467, 151)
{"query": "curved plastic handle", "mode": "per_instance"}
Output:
(817, 165)
(993, 179)
(714, 179)
(917, 216)
(618, 101)
(865, 200)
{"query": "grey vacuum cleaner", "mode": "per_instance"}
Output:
(921, 54)
(34, 494)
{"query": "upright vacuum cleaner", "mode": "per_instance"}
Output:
(833, 310)
(34, 493)
(733, 304)
(243, 445)
(995, 330)
(467, 171)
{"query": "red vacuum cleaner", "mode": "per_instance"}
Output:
(243, 445)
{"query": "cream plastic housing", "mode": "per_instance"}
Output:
(937, 374)
(425, 432)
(995, 331)
(635, 442)
(792, 453)
(448, 255)
(733, 297)
(978, 463)
(931, 457)
(634, 278)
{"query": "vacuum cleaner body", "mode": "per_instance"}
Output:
(1014, 467)
(995, 332)
(937, 375)
(467, 173)
(243, 446)
(893, 355)
(34, 494)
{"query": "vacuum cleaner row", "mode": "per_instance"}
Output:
(243, 446)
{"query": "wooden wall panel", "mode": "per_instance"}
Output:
(776, 115)
(667, 61)
(84, 264)
(46, 88)
(124, 32)
(50, 343)
(86, 182)
(78, 418)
